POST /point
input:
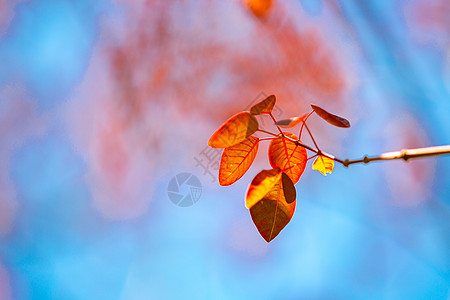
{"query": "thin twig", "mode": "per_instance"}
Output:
(310, 134)
(268, 132)
(404, 154)
(304, 123)
(298, 143)
(312, 157)
(274, 122)
(318, 152)
(271, 138)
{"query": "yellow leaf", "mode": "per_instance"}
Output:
(261, 185)
(323, 164)
(235, 130)
(236, 160)
(263, 107)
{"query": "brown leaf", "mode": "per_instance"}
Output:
(330, 118)
(236, 160)
(291, 122)
(287, 156)
(261, 185)
(264, 107)
(235, 130)
(288, 188)
(272, 213)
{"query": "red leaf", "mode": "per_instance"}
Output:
(236, 160)
(330, 118)
(235, 130)
(263, 107)
(287, 156)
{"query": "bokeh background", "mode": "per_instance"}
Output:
(103, 102)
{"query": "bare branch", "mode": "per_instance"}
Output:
(404, 154)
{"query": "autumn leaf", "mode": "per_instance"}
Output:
(272, 213)
(261, 185)
(236, 160)
(288, 156)
(235, 130)
(263, 107)
(330, 118)
(323, 164)
(288, 188)
(291, 122)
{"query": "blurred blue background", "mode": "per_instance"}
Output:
(103, 102)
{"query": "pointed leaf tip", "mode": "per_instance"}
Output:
(330, 118)
(235, 130)
(236, 160)
(273, 212)
(264, 107)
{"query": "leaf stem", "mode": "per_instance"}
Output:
(274, 121)
(318, 152)
(304, 123)
(268, 132)
(271, 138)
(310, 134)
(312, 157)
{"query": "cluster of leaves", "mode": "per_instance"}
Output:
(271, 196)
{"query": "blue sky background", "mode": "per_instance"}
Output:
(103, 102)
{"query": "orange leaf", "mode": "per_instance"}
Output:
(287, 156)
(235, 130)
(323, 164)
(272, 213)
(236, 160)
(330, 118)
(291, 122)
(261, 185)
(263, 107)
